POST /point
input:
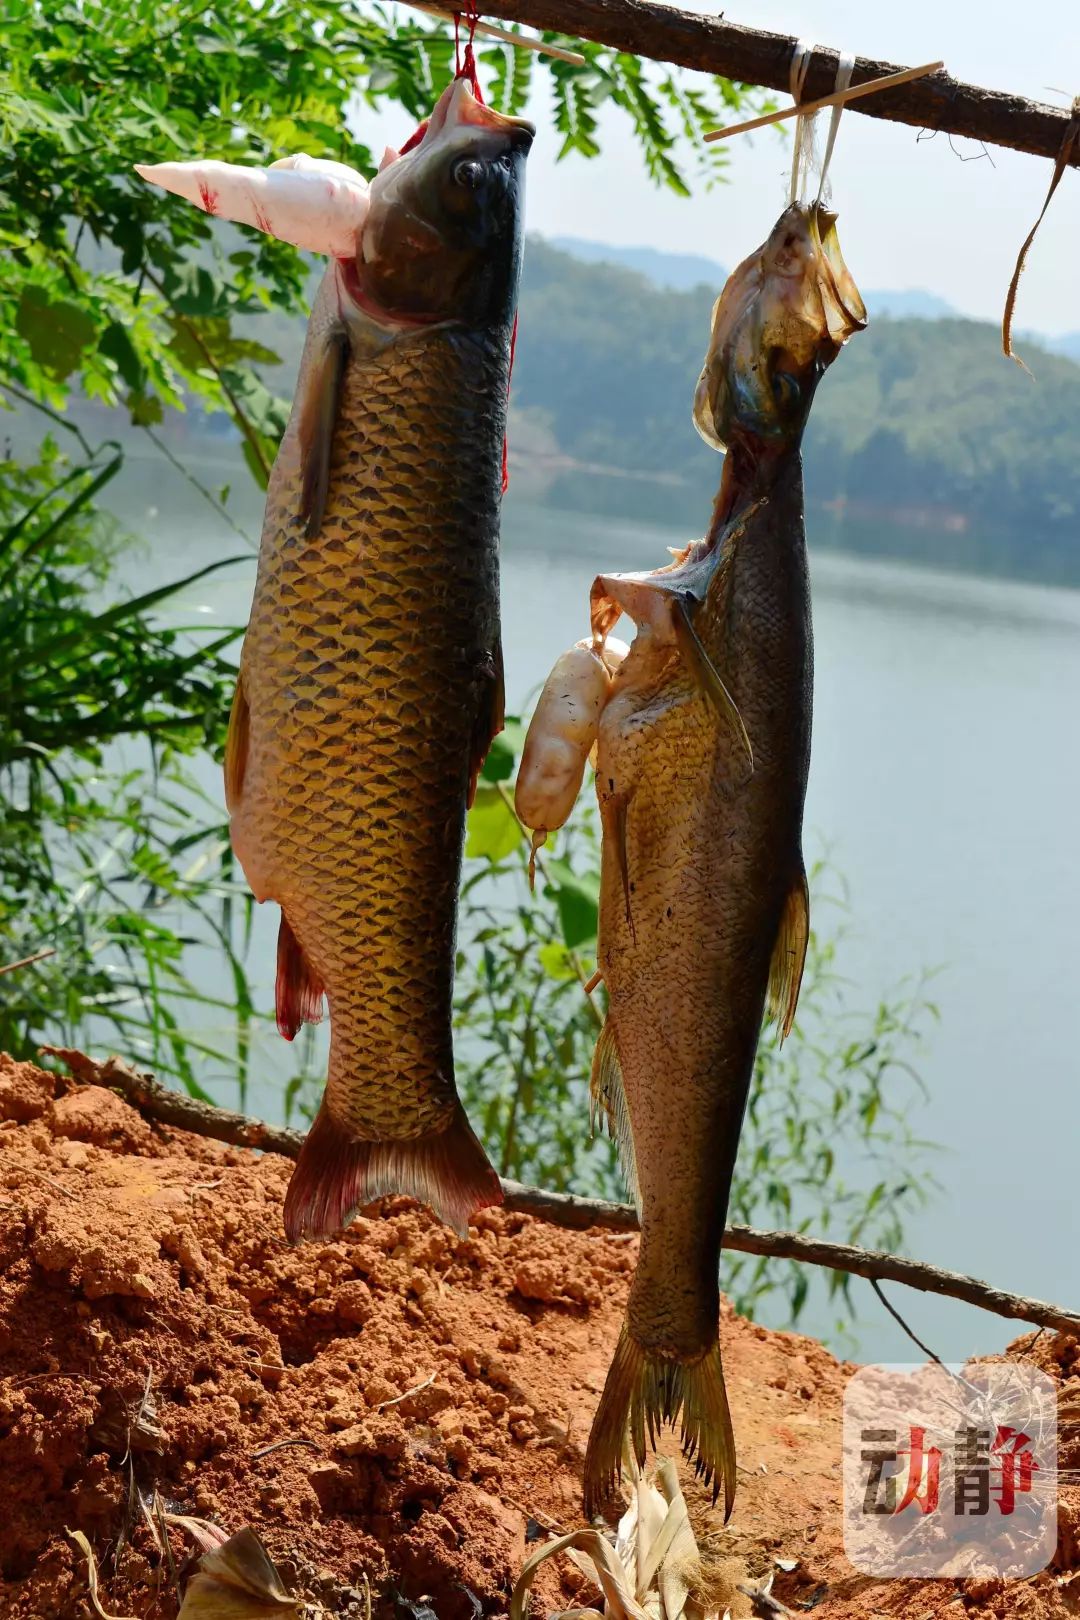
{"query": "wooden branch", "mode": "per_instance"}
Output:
(938, 103)
(157, 1102)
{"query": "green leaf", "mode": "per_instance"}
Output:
(115, 343)
(57, 331)
(493, 831)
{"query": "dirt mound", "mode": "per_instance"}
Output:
(395, 1412)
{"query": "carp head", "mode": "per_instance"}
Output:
(442, 238)
(435, 236)
(779, 323)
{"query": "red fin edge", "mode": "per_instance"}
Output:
(297, 992)
(335, 1176)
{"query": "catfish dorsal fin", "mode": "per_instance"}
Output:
(789, 955)
(318, 417)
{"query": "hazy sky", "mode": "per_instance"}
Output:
(911, 213)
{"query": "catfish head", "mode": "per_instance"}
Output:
(779, 323)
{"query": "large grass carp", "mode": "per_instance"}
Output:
(371, 675)
(702, 759)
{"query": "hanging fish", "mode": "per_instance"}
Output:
(703, 749)
(371, 675)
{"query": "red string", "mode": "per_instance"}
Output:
(465, 63)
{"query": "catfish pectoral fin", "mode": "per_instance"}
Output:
(643, 1391)
(789, 955)
(298, 994)
(708, 678)
(316, 429)
(613, 813)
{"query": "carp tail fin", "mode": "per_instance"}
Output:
(645, 1390)
(336, 1175)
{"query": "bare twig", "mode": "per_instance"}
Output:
(157, 1102)
(282, 1445)
(28, 961)
(651, 28)
(396, 1400)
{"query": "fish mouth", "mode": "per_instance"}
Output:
(457, 105)
(781, 320)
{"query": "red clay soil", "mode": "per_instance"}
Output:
(396, 1411)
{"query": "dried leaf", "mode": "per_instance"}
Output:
(92, 1577)
(611, 1577)
(238, 1581)
(206, 1536)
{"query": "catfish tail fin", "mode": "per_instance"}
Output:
(336, 1175)
(645, 1390)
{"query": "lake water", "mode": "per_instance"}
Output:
(944, 788)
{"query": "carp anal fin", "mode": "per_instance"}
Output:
(490, 716)
(789, 956)
(298, 993)
(708, 677)
(236, 746)
(318, 417)
(336, 1175)
(607, 1102)
(644, 1390)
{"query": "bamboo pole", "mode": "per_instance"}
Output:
(938, 103)
(174, 1108)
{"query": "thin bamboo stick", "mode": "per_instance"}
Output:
(525, 42)
(839, 98)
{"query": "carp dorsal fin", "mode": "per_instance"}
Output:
(789, 955)
(708, 677)
(490, 716)
(318, 417)
(236, 746)
(607, 1104)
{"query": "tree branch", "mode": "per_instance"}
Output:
(185, 1113)
(750, 56)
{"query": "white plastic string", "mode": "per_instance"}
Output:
(844, 68)
(800, 65)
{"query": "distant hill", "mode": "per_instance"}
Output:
(677, 272)
(924, 442)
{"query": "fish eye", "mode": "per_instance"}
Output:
(469, 173)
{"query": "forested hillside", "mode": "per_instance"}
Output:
(924, 441)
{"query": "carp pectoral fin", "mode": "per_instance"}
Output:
(644, 1390)
(298, 993)
(607, 1103)
(708, 678)
(789, 956)
(236, 746)
(490, 717)
(336, 1175)
(318, 417)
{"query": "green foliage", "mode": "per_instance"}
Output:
(837, 1093)
(119, 304)
(99, 852)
